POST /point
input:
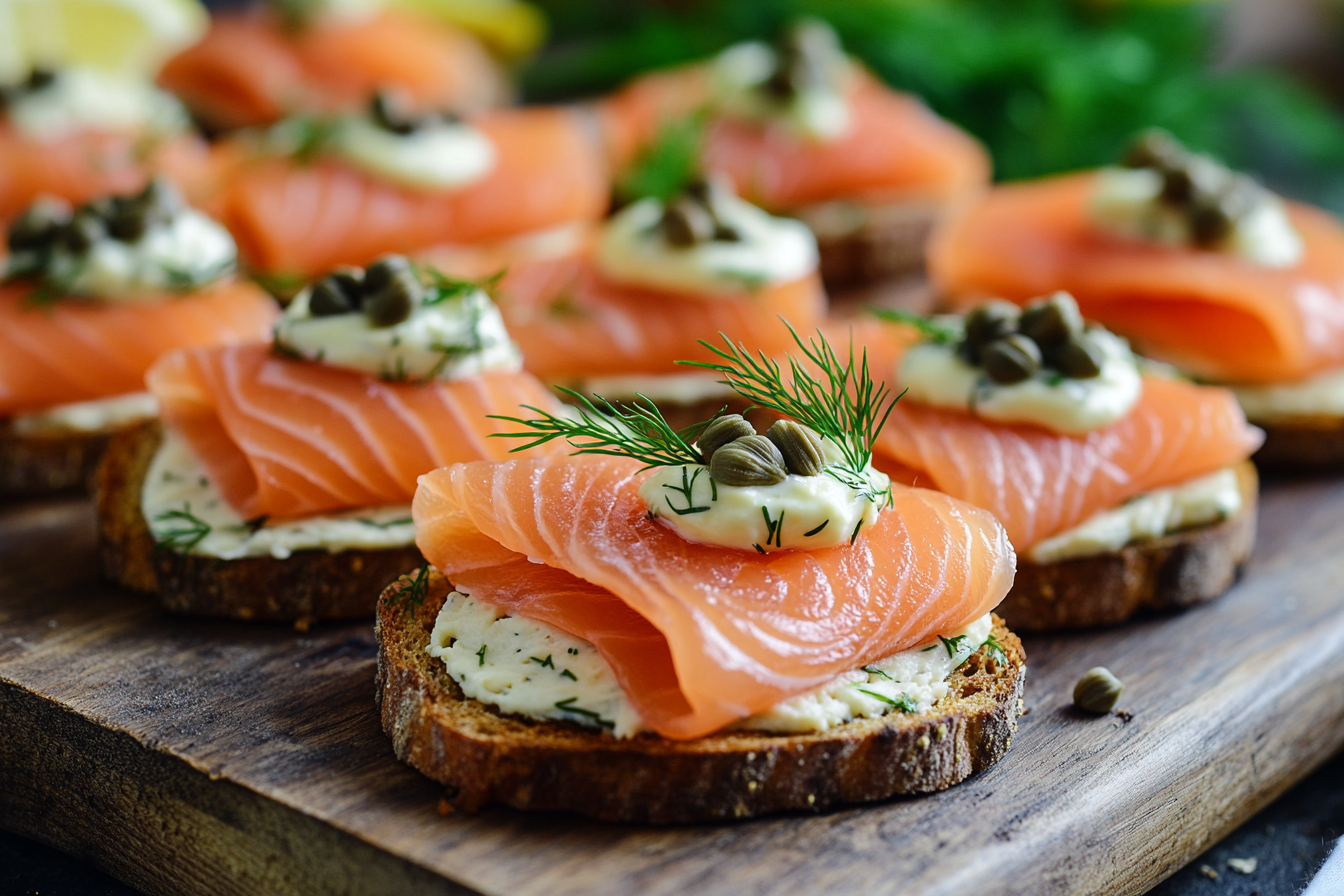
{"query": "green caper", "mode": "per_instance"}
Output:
(1210, 224)
(1177, 186)
(394, 302)
(686, 222)
(986, 324)
(726, 233)
(1079, 358)
(389, 112)
(1052, 321)
(1097, 691)
(1154, 148)
(84, 229)
(799, 446)
(1011, 359)
(129, 223)
(750, 460)
(331, 296)
(39, 78)
(384, 271)
(720, 432)
(38, 227)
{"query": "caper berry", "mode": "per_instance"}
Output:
(686, 222)
(1011, 359)
(1052, 321)
(1097, 691)
(750, 460)
(331, 297)
(799, 446)
(81, 233)
(384, 271)
(720, 432)
(1079, 358)
(986, 324)
(39, 226)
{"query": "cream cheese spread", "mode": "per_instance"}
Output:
(97, 415)
(442, 339)
(1196, 502)
(1322, 394)
(85, 100)
(186, 252)
(683, 389)
(934, 374)
(769, 251)
(800, 513)
(442, 156)
(188, 514)
(531, 668)
(1127, 202)
(738, 78)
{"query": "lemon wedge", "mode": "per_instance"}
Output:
(116, 36)
(511, 28)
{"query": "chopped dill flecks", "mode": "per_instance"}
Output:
(574, 651)
(811, 532)
(686, 490)
(871, 671)
(480, 655)
(401, 521)
(565, 673)
(191, 531)
(995, 649)
(540, 662)
(952, 645)
(904, 703)
(568, 706)
(412, 592)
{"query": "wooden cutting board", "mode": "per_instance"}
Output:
(191, 756)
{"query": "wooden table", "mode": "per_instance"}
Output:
(204, 757)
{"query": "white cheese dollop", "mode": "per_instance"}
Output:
(436, 157)
(1321, 394)
(1196, 502)
(933, 373)
(533, 669)
(86, 100)
(771, 251)
(179, 504)
(737, 77)
(800, 513)
(1126, 202)
(451, 339)
(187, 252)
(88, 416)
(683, 389)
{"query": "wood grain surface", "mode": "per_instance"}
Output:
(220, 757)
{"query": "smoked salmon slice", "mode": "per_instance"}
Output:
(73, 350)
(307, 219)
(1039, 483)
(572, 322)
(286, 438)
(1212, 314)
(250, 70)
(895, 151)
(700, 636)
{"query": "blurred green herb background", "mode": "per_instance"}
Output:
(1047, 85)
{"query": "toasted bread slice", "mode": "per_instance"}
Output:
(1302, 444)
(1161, 574)
(887, 243)
(486, 757)
(306, 585)
(48, 463)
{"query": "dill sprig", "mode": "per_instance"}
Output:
(412, 591)
(664, 168)
(847, 408)
(190, 530)
(931, 328)
(637, 430)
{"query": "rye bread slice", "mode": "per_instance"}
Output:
(32, 465)
(307, 585)
(1157, 575)
(485, 757)
(888, 245)
(1302, 444)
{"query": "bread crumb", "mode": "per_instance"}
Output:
(811, 798)
(1243, 866)
(1208, 872)
(445, 808)
(942, 731)
(923, 741)
(751, 786)
(1124, 715)
(303, 623)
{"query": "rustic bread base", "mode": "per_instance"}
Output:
(889, 245)
(1162, 574)
(306, 585)
(484, 757)
(34, 465)
(1306, 444)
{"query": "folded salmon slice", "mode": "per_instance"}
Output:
(306, 219)
(896, 149)
(250, 70)
(287, 438)
(1038, 482)
(74, 350)
(82, 166)
(572, 322)
(1213, 314)
(700, 636)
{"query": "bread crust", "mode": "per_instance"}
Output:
(32, 465)
(1302, 444)
(484, 757)
(889, 244)
(306, 585)
(1157, 575)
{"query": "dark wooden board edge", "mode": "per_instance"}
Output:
(157, 823)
